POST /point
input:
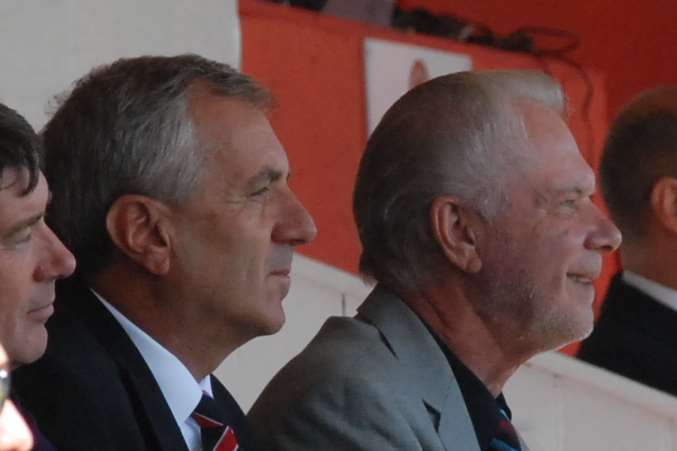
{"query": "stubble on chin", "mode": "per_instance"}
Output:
(518, 313)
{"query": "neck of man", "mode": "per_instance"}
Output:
(155, 308)
(448, 312)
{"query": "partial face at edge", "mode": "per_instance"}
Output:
(544, 250)
(32, 258)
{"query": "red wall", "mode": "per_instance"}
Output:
(632, 42)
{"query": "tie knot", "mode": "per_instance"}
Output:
(207, 413)
(216, 434)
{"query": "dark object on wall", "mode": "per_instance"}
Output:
(314, 5)
(453, 27)
(423, 21)
(377, 12)
(448, 26)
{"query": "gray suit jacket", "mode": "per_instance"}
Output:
(375, 382)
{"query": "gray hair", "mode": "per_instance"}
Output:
(640, 149)
(454, 135)
(125, 129)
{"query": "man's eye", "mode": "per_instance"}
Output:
(569, 204)
(261, 191)
(23, 236)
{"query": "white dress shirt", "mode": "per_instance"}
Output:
(662, 294)
(180, 389)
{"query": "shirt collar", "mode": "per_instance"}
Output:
(661, 293)
(180, 389)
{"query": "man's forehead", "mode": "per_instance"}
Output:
(220, 121)
(209, 110)
(20, 178)
(239, 143)
(584, 183)
(549, 154)
(253, 149)
(19, 208)
(14, 177)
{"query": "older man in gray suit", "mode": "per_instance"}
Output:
(473, 207)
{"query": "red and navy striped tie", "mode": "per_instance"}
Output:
(216, 435)
(506, 438)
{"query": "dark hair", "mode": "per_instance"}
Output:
(445, 136)
(125, 128)
(640, 149)
(19, 146)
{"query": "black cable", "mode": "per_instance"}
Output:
(526, 39)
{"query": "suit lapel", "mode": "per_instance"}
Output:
(424, 366)
(234, 416)
(153, 414)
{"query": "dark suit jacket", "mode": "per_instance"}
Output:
(636, 337)
(92, 390)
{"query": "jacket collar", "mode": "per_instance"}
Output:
(426, 368)
(152, 412)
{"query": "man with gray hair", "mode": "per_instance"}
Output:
(171, 188)
(473, 207)
(636, 332)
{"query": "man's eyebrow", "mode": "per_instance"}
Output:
(572, 190)
(582, 189)
(265, 175)
(28, 222)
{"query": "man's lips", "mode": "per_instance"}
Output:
(582, 278)
(43, 312)
(586, 273)
(282, 272)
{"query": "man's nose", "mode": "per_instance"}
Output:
(58, 262)
(296, 226)
(605, 237)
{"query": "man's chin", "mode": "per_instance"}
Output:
(274, 325)
(575, 332)
(271, 321)
(30, 349)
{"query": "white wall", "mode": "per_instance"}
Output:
(47, 44)
(558, 403)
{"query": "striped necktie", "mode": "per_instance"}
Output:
(506, 438)
(216, 436)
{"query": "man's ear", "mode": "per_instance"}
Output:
(453, 230)
(140, 229)
(664, 203)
